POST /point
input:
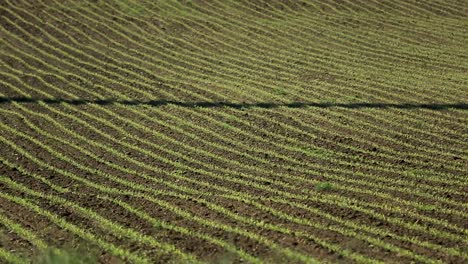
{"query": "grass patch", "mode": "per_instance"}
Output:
(417, 172)
(227, 126)
(427, 207)
(420, 173)
(280, 91)
(317, 153)
(64, 256)
(131, 8)
(323, 186)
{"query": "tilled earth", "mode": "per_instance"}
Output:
(192, 131)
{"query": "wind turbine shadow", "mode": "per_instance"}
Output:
(158, 103)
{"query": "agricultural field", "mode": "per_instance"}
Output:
(233, 131)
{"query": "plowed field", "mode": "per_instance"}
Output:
(266, 131)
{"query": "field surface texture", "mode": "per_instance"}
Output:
(222, 131)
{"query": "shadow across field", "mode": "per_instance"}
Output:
(156, 103)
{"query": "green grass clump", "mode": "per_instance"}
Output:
(131, 8)
(317, 153)
(61, 256)
(324, 186)
(427, 207)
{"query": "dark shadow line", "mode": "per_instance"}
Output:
(156, 103)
